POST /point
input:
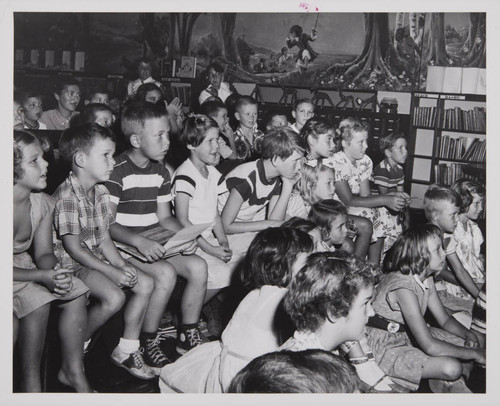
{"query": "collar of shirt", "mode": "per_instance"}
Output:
(424, 285)
(80, 192)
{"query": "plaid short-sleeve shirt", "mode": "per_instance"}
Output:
(75, 215)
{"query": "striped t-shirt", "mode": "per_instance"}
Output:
(249, 179)
(388, 176)
(137, 191)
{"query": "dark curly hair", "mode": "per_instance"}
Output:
(271, 256)
(465, 188)
(21, 140)
(410, 253)
(314, 127)
(194, 129)
(326, 287)
(324, 212)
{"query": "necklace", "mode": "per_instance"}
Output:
(35, 126)
(63, 122)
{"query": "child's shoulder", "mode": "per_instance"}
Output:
(42, 202)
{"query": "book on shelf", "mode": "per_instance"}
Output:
(188, 67)
(173, 242)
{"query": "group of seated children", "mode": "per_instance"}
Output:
(292, 220)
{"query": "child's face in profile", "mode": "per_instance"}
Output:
(99, 98)
(154, 139)
(34, 168)
(361, 309)
(104, 118)
(447, 216)
(437, 256)
(356, 148)
(302, 113)
(399, 152)
(153, 96)
(221, 118)
(325, 185)
(476, 207)
(338, 230)
(208, 150)
(323, 146)
(99, 160)
(32, 109)
(290, 167)
(247, 115)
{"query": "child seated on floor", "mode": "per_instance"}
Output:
(302, 110)
(39, 279)
(140, 203)
(97, 94)
(275, 120)
(457, 289)
(195, 190)
(388, 176)
(405, 347)
(330, 217)
(82, 218)
(308, 371)
(353, 169)
(98, 113)
(247, 136)
(274, 256)
(32, 105)
(258, 192)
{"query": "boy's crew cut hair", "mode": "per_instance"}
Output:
(300, 101)
(194, 129)
(326, 287)
(81, 138)
(282, 143)
(388, 141)
(243, 101)
(136, 113)
(271, 256)
(211, 108)
(410, 253)
(436, 194)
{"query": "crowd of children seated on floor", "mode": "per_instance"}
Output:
(336, 281)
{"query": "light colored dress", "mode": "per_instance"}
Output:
(29, 296)
(354, 174)
(394, 352)
(210, 367)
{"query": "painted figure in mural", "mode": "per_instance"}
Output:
(296, 37)
(245, 51)
(260, 67)
(281, 62)
(407, 49)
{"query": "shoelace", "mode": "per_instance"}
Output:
(155, 352)
(164, 332)
(193, 336)
(137, 356)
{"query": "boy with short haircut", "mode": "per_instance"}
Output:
(98, 113)
(303, 110)
(82, 217)
(441, 207)
(247, 136)
(140, 201)
(97, 95)
(33, 108)
(257, 186)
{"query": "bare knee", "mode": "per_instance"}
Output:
(364, 226)
(145, 284)
(114, 300)
(451, 369)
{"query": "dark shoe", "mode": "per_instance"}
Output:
(213, 312)
(154, 357)
(188, 338)
(134, 363)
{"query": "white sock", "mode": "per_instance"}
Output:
(128, 346)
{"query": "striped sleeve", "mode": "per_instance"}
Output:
(115, 184)
(165, 191)
(183, 184)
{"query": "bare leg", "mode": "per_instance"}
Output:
(194, 270)
(32, 331)
(364, 235)
(15, 329)
(72, 327)
(445, 368)
(375, 251)
(110, 299)
(136, 307)
(164, 276)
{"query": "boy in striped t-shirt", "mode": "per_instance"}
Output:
(140, 201)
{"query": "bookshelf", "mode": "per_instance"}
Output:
(447, 140)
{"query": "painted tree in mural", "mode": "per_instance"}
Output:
(184, 23)
(228, 22)
(377, 60)
(435, 49)
(474, 47)
(154, 36)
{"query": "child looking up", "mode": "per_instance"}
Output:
(258, 191)
(353, 169)
(389, 176)
(330, 216)
(302, 110)
(97, 95)
(407, 349)
(274, 256)
(40, 280)
(195, 192)
(247, 135)
(67, 94)
(442, 207)
(140, 202)
(33, 108)
(82, 218)
(97, 113)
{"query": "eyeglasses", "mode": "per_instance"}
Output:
(72, 93)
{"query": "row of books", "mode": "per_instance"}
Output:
(451, 119)
(462, 148)
(445, 174)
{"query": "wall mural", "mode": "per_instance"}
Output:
(381, 51)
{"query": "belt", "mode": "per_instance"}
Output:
(382, 323)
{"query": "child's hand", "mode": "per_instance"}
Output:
(221, 252)
(290, 181)
(480, 356)
(174, 107)
(189, 248)
(395, 201)
(152, 250)
(471, 340)
(59, 280)
(228, 131)
(131, 272)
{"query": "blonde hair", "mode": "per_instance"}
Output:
(308, 181)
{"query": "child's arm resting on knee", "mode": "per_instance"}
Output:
(462, 276)
(414, 320)
(230, 212)
(279, 204)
